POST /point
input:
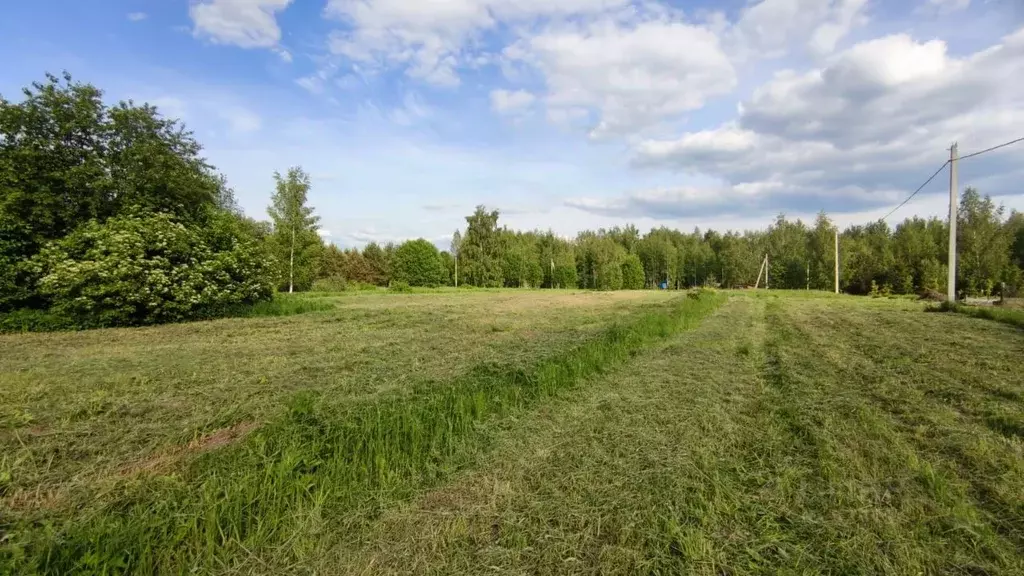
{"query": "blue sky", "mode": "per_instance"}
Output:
(564, 115)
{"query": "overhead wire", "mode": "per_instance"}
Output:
(932, 177)
(919, 188)
(985, 151)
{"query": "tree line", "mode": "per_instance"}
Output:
(911, 258)
(109, 215)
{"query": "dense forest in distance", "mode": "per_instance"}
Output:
(910, 258)
(109, 215)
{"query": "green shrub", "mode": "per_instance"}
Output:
(330, 284)
(150, 269)
(400, 287)
(28, 320)
(418, 263)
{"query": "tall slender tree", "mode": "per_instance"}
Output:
(456, 244)
(482, 249)
(295, 225)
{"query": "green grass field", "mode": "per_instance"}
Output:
(521, 432)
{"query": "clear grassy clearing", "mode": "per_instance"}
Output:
(87, 408)
(788, 434)
(324, 463)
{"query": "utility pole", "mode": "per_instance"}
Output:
(837, 259)
(552, 272)
(951, 280)
(456, 268)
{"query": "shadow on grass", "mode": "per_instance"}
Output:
(28, 320)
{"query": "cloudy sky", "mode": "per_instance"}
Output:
(564, 114)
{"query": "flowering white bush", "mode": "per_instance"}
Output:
(149, 269)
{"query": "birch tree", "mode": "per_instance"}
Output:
(295, 226)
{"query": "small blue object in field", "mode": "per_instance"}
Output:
(664, 285)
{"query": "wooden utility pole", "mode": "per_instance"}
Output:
(456, 268)
(759, 272)
(837, 259)
(951, 279)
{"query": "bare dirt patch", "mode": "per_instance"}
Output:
(165, 460)
(51, 499)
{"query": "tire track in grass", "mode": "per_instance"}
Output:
(944, 411)
(607, 480)
(734, 449)
(938, 501)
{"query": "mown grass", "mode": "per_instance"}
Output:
(79, 410)
(1011, 316)
(788, 434)
(323, 465)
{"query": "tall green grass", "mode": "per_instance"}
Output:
(283, 305)
(1013, 317)
(27, 320)
(321, 467)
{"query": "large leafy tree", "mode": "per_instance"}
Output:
(377, 262)
(983, 247)
(418, 263)
(740, 262)
(821, 254)
(481, 249)
(67, 158)
(298, 246)
(658, 254)
(787, 253)
(599, 261)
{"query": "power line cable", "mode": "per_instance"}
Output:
(919, 188)
(1003, 145)
(932, 177)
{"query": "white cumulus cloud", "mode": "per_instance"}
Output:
(505, 101)
(633, 73)
(867, 127)
(771, 27)
(244, 23)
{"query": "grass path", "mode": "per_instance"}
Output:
(792, 436)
